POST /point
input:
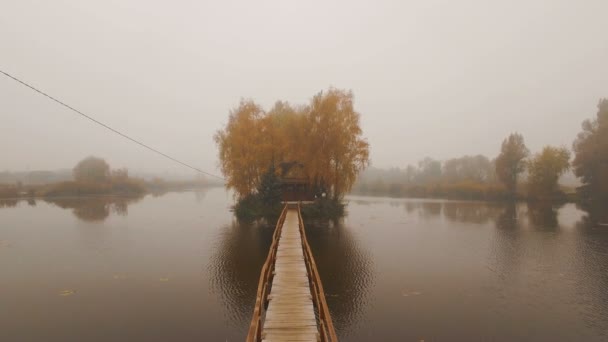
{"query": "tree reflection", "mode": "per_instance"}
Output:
(235, 270)
(430, 209)
(235, 267)
(471, 212)
(92, 209)
(8, 203)
(454, 211)
(410, 207)
(346, 270)
(199, 194)
(506, 251)
(543, 214)
(508, 219)
(590, 263)
(595, 216)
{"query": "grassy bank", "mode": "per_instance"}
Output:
(121, 187)
(460, 191)
(323, 208)
(127, 187)
(9, 192)
(252, 208)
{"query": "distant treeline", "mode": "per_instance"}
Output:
(91, 176)
(513, 174)
(38, 177)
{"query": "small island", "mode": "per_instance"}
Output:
(309, 153)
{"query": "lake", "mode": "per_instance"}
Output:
(180, 267)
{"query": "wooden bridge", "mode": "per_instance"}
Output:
(290, 304)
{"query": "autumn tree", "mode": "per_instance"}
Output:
(92, 169)
(544, 170)
(285, 129)
(336, 150)
(241, 144)
(591, 154)
(323, 139)
(468, 168)
(120, 174)
(510, 163)
(429, 170)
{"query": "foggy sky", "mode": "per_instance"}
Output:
(430, 78)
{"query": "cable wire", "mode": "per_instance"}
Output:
(108, 127)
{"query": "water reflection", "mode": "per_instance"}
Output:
(596, 215)
(543, 215)
(8, 203)
(505, 248)
(346, 270)
(235, 270)
(507, 220)
(476, 271)
(590, 265)
(472, 212)
(92, 209)
(243, 247)
(497, 271)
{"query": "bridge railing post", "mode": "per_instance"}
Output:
(261, 302)
(327, 331)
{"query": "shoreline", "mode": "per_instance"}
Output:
(573, 198)
(26, 197)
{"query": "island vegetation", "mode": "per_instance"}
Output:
(321, 142)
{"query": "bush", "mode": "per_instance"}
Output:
(73, 188)
(8, 192)
(247, 208)
(251, 208)
(128, 186)
(323, 208)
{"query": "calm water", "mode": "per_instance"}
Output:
(179, 267)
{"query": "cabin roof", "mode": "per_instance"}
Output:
(295, 180)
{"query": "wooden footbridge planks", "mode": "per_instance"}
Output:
(290, 305)
(290, 314)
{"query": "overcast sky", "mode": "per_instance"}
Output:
(430, 78)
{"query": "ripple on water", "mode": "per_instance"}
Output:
(346, 271)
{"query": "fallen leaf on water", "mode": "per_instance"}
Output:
(164, 279)
(120, 276)
(405, 293)
(65, 293)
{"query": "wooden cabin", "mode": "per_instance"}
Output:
(295, 184)
(296, 189)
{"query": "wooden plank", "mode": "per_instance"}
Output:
(290, 315)
(284, 316)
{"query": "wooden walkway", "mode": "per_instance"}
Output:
(291, 304)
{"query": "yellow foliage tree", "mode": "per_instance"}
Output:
(324, 138)
(544, 170)
(240, 148)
